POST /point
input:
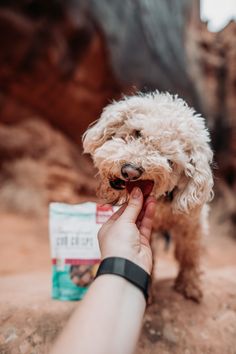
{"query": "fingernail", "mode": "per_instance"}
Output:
(136, 193)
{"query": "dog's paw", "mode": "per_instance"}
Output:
(189, 289)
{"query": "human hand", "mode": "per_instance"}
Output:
(127, 233)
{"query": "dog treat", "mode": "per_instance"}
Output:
(74, 246)
(146, 186)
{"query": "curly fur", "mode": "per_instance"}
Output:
(172, 147)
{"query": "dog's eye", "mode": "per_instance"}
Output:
(137, 134)
(170, 162)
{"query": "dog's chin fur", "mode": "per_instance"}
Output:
(169, 141)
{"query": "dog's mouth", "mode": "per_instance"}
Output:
(146, 185)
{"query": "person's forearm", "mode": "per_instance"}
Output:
(109, 320)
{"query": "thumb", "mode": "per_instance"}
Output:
(134, 206)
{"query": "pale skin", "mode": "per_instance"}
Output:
(109, 318)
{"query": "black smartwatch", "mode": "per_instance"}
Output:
(126, 269)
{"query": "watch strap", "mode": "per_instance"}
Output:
(126, 269)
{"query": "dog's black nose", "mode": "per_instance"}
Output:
(131, 172)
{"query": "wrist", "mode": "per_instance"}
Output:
(126, 269)
(120, 283)
(119, 288)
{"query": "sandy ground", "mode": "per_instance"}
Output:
(30, 320)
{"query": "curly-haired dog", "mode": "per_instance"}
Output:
(155, 141)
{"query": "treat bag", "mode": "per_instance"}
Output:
(74, 246)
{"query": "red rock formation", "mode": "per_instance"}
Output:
(212, 66)
(57, 70)
(69, 59)
(69, 104)
(38, 165)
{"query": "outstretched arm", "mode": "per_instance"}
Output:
(109, 318)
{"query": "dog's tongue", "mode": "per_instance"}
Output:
(146, 186)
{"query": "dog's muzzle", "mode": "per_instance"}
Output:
(131, 172)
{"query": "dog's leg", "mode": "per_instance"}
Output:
(187, 252)
(151, 291)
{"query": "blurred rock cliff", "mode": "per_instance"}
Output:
(62, 62)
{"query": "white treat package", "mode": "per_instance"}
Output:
(75, 252)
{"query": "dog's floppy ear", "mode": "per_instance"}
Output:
(103, 128)
(196, 185)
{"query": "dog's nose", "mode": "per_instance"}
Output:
(131, 172)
